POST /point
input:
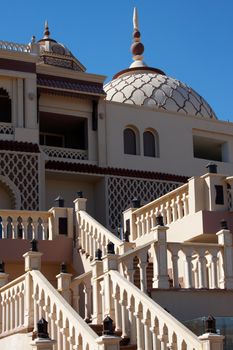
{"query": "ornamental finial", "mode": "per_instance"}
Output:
(135, 19)
(46, 30)
(137, 48)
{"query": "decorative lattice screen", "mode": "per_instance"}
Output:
(121, 190)
(22, 170)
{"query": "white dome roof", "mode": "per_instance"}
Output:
(151, 89)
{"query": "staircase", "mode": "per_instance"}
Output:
(117, 283)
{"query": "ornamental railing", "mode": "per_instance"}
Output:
(65, 153)
(11, 46)
(6, 129)
(29, 298)
(24, 224)
(172, 206)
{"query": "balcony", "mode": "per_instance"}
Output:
(65, 154)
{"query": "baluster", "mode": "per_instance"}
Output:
(163, 214)
(179, 207)
(3, 311)
(147, 223)
(142, 224)
(147, 333)
(12, 310)
(117, 308)
(195, 272)
(202, 269)
(132, 323)
(185, 203)
(168, 213)
(14, 228)
(87, 300)
(24, 228)
(137, 223)
(152, 218)
(4, 227)
(16, 309)
(82, 231)
(45, 231)
(87, 248)
(139, 330)
(91, 244)
(124, 317)
(187, 267)
(175, 274)
(155, 340)
(142, 269)
(213, 269)
(7, 314)
(174, 210)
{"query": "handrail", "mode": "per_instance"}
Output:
(161, 199)
(75, 322)
(92, 229)
(155, 310)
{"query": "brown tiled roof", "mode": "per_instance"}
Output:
(19, 146)
(80, 86)
(94, 169)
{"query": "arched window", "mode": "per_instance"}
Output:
(5, 106)
(130, 141)
(150, 143)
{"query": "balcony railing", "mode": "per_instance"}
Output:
(6, 129)
(65, 153)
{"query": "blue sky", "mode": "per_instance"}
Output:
(190, 40)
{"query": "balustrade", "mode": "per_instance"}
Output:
(66, 153)
(22, 224)
(93, 236)
(172, 206)
(148, 324)
(10, 46)
(196, 265)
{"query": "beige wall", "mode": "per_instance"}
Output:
(67, 185)
(188, 304)
(175, 137)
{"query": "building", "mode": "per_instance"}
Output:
(64, 136)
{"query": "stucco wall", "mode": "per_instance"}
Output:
(188, 304)
(175, 139)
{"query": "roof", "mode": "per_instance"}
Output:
(19, 146)
(68, 84)
(94, 169)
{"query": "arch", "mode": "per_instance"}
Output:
(13, 192)
(5, 106)
(131, 140)
(151, 143)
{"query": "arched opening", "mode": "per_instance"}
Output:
(151, 143)
(130, 141)
(5, 106)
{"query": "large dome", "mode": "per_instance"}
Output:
(146, 87)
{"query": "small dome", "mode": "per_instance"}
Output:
(56, 54)
(146, 87)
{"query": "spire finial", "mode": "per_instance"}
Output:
(46, 30)
(135, 19)
(137, 48)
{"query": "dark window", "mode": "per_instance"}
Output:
(219, 199)
(62, 223)
(129, 141)
(5, 107)
(149, 144)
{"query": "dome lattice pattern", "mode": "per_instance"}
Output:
(156, 90)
